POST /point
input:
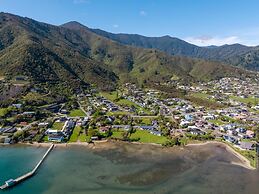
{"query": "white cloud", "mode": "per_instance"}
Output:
(115, 25)
(143, 13)
(217, 41)
(80, 1)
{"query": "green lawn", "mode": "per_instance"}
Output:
(58, 125)
(76, 113)
(228, 119)
(145, 120)
(202, 95)
(45, 138)
(83, 137)
(112, 96)
(251, 100)
(3, 111)
(118, 134)
(75, 134)
(109, 95)
(127, 103)
(217, 122)
(117, 113)
(146, 137)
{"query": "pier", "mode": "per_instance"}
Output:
(19, 179)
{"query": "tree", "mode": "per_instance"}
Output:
(92, 132)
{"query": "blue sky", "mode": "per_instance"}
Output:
(202, 22)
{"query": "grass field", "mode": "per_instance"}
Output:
(83, 138)
(75, 134)
(201, 95)
(58, 125)
(217, 122)
(112, 96)
(201, 99)
(45, 138)
(117, 113)
(253, 101)
(145, 120)
(109, 95)
(76, 113)
(146, 137)
(118, 134)
(3, 112)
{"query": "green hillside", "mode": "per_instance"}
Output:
(76, 56)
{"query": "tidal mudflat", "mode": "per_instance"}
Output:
(116, 167)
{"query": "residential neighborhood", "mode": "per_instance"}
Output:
(144, 115)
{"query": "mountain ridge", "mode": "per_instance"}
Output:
(235, 54)
(77, 56)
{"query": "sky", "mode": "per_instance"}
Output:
(201, 22)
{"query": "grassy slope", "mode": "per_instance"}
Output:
(76, 113)
(253, 101)
(75, 134)
(146, 137)
(77, 56)
(3, 112)
(58, 125)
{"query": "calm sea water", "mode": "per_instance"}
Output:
(126, 168)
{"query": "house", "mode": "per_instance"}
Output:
(195, 131)
(23, 123)
(231, 132)
(70, 124)
(30, 114)
(51, 131)
(8, 130)
(154, 123)
(146, 127)
(104, 129)
(7, 140)
(125, 127)
(208, 117)
(56, 137)
(247, 145)
(64, 111)
(250, 134)
(228, 127)
(62, 119)
(242, 135)
(230, 139)
(241, 130)
(256, 107)
(188, 117)
(44, 124)
(17, 105)
(158, 133)
(184, 123)
(94, 138)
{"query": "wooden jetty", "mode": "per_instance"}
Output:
(19, 179)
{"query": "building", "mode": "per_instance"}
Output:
(56, 138)
(247, 145)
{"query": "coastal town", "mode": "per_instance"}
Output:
(226, 110)
(129, 97)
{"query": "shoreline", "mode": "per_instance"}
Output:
(244, 162)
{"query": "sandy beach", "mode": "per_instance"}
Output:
(244, 162)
